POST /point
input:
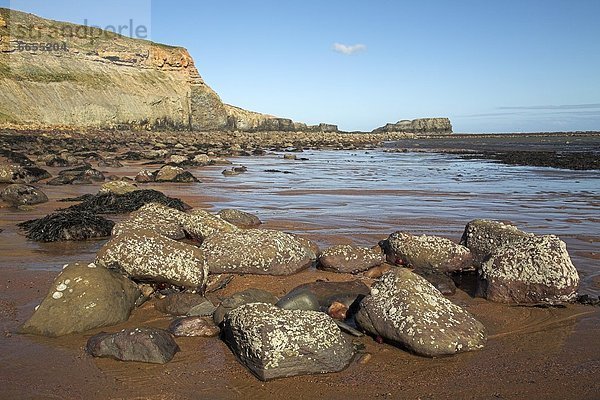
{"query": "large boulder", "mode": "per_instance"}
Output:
(194, 326)
(179, 303)
(10, 173)
(201, 224)
(350, 259)
(238, 299)
(241, 219)
(483, 236)
(275, 343)
(154, 217)
(144, 255)
(255, 251)
(404, 308)
(533, 270)
(425, 251)
(83, 297)
(19, 194)
(169, 173)
(118, 187)
(150, 345)
(319, 296)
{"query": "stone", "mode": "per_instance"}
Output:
(201, 160)
(194, 326)
(83, 297)
(10, 173)
(319, 296)
(154, 217)
(425, 251)
(169, 173)
(421, 126)
(247, 296)
(118, 187)
(350, 259)
(239, 218)
(406, 309)
(289, 157)
(275, 343)
(533, 270)
(439, 280)
(179, 303)
(19, 194)
(203, 309)
(177, 159)
(201, 224)
(483, 236)
(144, 176)
(144, 255)
(255, 251)
(149, 345)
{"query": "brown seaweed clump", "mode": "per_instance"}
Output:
(67, 225)
(111, 203)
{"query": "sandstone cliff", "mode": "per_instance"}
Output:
(100, 80)
(422, 125)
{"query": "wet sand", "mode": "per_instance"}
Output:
(335, 197)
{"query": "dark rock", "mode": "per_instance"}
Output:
(169, 173)
(150, 345)
(194, 326)
(22, 174)
(350, 259)
(304, 300)
(179, 303)
(83, 297)
(67, 225)
(439, 280)
(109, 162)
(238, 299)
(19, 194)
(239, 218)
(426, 252)
(144, 255)
(320, 295)
(275, 343)
(144, 176)
(255, 251)
(533, 270)
(406, 309)
(204, 309)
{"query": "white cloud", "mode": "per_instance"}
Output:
(348, 49)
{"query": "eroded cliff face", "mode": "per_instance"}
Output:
(99, 80)
(421, 125)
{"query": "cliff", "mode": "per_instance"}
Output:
(422, 126)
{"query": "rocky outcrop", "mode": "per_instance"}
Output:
(83, 297)
(534, 270)
(275, 343)
(421, 125)
(404, 308)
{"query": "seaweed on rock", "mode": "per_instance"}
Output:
(110, 203)
(67, 225)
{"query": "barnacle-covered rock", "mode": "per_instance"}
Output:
(425, 251)
(404, 308)
(201, 224)
(533, 270)
(154, 217)
(239, 218)
(275, 343)
(350, 259)
(194, 326)
(10, 173)
(83, 297)
(19, 194)
(483, 236)
(255, 251)
(169, 173)
(144, 255)
(118, 187)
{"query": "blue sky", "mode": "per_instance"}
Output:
(491, 66)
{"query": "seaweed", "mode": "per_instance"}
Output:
(110, 203)
(67, 225)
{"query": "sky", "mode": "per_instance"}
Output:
(490, 66)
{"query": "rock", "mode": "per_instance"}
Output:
(177, 159)
(144, 176)
(255, 251)
(239, 218)
(377, 272)
(145, 255)
(532, 270)
(109, 162)
(424, 251)
(83, 297)
(194, 326)
(67, 225)
(483, 236)
(338, 311)
(299, 300)
(235, 171)
(439, 280)
(421, 125)
(19, 194)
(149, 345)
(350, 259)
(289, 156)
(313, 247)
(200, 224)
(404, 308)
(81, 175)
(201, 160)
(118, 187)
(10, 173)
(275, 343)
(169, 173)
(319, 296)
(204, 309)
(155, 217)
(238, 299)
(179, 303)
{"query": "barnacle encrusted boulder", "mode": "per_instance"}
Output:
(533, 270)
(150, 345)
(169, 173)
(200, 224)
(404, 308)
(10, 173)
(144, 255)
(19, 194)
(118, 187)
(83, 297)
(154, 217)
(255, 251)
(483, 236)
(194, 326)
(275, 343)
(241, 219)
(426, 252)
(350, 259)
